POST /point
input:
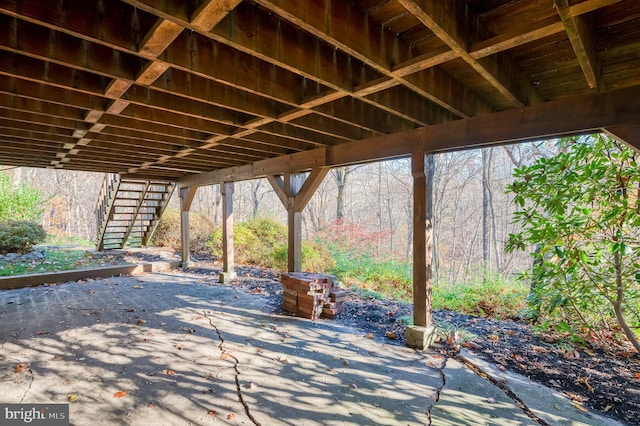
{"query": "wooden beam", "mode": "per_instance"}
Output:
(294, 191)
(581, 38)
(443, 19)
(371, 44)
(588, 113)
(211, 12)
(629, 134)
(278, 187)
(309, 187)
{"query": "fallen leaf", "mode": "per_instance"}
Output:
(41, 332)
(73, 398)
(20, 368)
(231, 416)
(572, 355)
(585, 382)
(390, 335)
(493, 337)
(178, 346)
(224, 355)
(140, 321)
(579, 407)
(637, 376)
(212, 413)
(120, 394)
(472, 345)
(171, 372)
(540, 349)
(137, 287)
(150, 405)
(369, 336)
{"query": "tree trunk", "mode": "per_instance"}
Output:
(340, 174)
(255, 188)
(486, 223)
(617, 305)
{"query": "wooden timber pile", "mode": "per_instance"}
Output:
(312, 296)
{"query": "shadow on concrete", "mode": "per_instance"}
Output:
(186, 351)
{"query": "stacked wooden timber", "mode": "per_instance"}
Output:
(312, 296)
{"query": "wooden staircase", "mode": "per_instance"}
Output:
(129, 210)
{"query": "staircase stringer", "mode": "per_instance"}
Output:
(134, 217)
(105, 205)
(151, 229)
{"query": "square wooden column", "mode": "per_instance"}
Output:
(228, 266)
(292, 185)
(295, 190)
(421, 334)
(186, 197)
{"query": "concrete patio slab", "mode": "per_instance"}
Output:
(186, 351)
(175, 348)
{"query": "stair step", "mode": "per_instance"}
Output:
(134, 209)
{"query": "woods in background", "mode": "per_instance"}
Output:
(472, 212)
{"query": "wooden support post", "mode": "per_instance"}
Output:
(421, 334)
(186, 197)
(295, 190)
(228, 266)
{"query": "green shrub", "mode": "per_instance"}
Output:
(489, 295)
(168, 232)
(19, 203)
(390, 277)
(254, 241)
(315, 257)
(19, 236)
(263, 242)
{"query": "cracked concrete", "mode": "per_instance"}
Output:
(187, 350)
(478, 393)
(224, 353)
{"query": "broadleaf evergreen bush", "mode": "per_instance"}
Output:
(19, 236)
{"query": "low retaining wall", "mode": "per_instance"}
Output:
(31, 280)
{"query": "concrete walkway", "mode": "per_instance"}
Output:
(178, 349)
